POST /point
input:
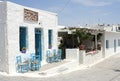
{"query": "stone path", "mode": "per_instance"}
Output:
(107, 70)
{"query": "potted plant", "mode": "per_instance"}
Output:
(24, 50)
(82, 47)
(50, 46)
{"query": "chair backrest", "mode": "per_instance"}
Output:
(54, 51)
(31, 55)
(59, 51)
(48, 53)
(18, 59)
(35, 57)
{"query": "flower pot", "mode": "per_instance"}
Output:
(82, 47)
(23, 51)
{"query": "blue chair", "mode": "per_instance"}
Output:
(32, 55)
(55, 55)
(35, 63)
(21, 67)
(59, 54)
(49, 56)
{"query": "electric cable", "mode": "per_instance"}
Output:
(62, 9)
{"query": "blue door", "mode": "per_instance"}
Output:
(114, 45)
(38, 43)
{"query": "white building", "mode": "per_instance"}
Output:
(110, 45)
(111, 39)
(20, 26)
(114, 28)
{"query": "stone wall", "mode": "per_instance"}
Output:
(3, 41)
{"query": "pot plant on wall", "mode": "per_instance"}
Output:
(83, 35)
(23, 50)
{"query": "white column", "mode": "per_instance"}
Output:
(96, 40)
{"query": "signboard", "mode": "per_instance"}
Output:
(30, 15)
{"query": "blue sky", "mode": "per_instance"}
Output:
(79, 12)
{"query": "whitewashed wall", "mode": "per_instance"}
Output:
(3, 42)
(15, 20)
(72, 54)
(81, 57)
(89, 59)
(111, 36)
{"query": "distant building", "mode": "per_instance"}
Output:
(109, 43)
(114, 28)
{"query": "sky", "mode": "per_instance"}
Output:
(79, 12)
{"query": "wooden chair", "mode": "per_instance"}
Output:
(35, 63)
(49, 56)
(21, 66)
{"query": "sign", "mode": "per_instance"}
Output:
(30, 15)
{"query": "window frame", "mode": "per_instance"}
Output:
(50, 38)
(119, 42)
(25, 38)
(107, 44)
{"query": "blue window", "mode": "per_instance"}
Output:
(49, 39)
(107, 44)
(23, 38)
(114, 45)
(118, 42)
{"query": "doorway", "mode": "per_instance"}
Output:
(38, 43)
(114, 45)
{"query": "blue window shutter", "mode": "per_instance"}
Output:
(23, 37)
(107, 44)
(49, 38)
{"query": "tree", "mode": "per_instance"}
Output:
(83, 35)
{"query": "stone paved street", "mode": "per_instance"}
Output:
(107, 70)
